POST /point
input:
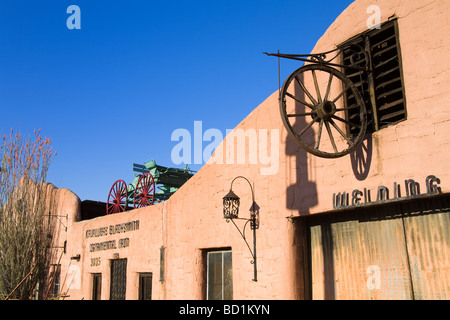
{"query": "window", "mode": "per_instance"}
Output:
(97, 286)
(219, 275)
(145, 286)
(382, 89)
(56, 278)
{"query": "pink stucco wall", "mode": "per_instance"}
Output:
(417, 147)
(191, 220)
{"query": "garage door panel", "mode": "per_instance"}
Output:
(428, 247)
(396, 251)
(317, 276)
(370, 260)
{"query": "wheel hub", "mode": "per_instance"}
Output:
(326, 110)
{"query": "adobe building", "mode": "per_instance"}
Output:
(370, 224)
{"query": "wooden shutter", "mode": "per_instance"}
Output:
(387, 74)
(382, 89)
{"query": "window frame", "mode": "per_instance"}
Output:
(96, 286)
(56, 280)
(142, 277)
(221, 251)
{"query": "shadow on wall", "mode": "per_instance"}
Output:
(361, 158)
(302, 195)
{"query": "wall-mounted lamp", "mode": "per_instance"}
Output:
(231, 204)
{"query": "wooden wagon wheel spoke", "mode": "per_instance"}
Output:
(347, 108)
(327, 109)
(316, 85)
(319, 136)
(306, 92)
(117, 198)
(300, 101)
(301, 114)
(350, 142)
(144, 194)
(341, 94)
(330, 80)
(308, 126)
(345, 121)
(333, 143)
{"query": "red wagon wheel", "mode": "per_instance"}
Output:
(117, 198)
(144, 194)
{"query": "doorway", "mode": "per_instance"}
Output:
(118, 279)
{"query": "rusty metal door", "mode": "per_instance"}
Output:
(395, 251)
(118, 279)
(427, 233)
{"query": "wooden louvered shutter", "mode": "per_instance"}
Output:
(382, 89)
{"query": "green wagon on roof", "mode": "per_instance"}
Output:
(152, 184)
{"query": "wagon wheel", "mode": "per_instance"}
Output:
(144, 194)
(312, 102)
(117, 198)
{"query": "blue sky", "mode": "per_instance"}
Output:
(111, 93)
